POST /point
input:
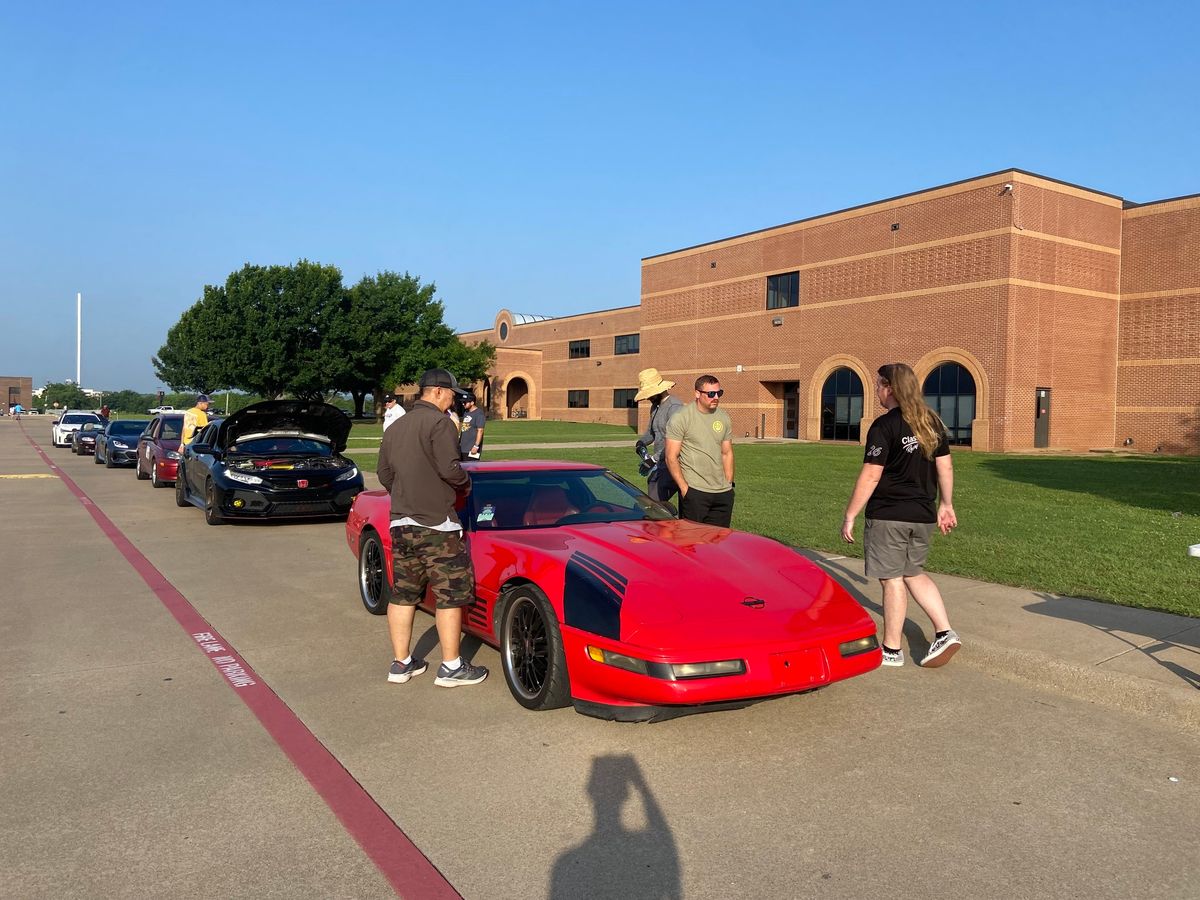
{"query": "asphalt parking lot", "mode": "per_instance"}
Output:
(134, 766)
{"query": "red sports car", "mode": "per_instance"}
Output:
(598, 596)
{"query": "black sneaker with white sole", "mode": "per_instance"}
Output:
(463, 675)
(400, 673)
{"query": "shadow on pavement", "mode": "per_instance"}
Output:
(614, 860)
(1186, 642)
(428, 642)
(855, 584)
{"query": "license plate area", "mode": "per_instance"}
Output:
(799, 668)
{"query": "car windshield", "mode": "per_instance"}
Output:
(78, 419)
(128, 428)
(282, 445)
(507, 500)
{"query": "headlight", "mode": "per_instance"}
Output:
(171, 454)
(862, 645)
(708, 669)
(618, 660)
(120, 445)
(348, 474)
(242, 477)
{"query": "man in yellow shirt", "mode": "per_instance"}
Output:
(195, 419)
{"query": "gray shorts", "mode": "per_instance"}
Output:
(895, 549)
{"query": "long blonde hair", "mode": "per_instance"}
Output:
(926, 425)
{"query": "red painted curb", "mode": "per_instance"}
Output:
(405, 867)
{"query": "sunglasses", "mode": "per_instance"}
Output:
(713, 395)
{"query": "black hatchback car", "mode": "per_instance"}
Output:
(275, 458)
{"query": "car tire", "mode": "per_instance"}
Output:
(531, 651)
(211, 516)
(108, 463)
(155, 481)
(96, 457)
(181, 498)
(373, 587)
(141, 476)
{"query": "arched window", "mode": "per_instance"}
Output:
(842, 406)
(950, 392)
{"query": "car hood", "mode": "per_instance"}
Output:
(295, 416)
(682, 583)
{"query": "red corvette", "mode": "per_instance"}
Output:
(596, 595)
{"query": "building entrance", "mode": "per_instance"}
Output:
(791, 409)
(1041, 422)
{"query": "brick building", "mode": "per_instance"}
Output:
(1036, 313)
(16, 389)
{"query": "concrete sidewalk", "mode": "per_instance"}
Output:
(1135, 660)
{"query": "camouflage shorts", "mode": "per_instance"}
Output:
(437, 561)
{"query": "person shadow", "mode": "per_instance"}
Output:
(616, 860)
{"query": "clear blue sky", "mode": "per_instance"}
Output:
(522, 155)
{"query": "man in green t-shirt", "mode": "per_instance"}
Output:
(700, 456)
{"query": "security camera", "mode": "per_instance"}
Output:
(1007, 187)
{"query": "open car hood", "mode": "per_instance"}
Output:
(296, 416)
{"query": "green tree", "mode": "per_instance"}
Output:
(127, 401)
(390, 332)
(264, 332)
(66, 394)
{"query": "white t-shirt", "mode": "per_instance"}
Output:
(393, 413)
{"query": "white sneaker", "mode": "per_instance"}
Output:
(893, 657)
(941, 650)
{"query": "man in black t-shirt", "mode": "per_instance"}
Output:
(899, 484)
(470, 442)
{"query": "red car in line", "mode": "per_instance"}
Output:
(598, 596)
(158, 450)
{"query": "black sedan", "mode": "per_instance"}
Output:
(276, 458)
(83, 441)
(117, 445)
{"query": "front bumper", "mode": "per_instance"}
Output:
(771, 669)
(124, 457)
(320, 501)
(168, 469)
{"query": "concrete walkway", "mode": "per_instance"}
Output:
(1135, 660)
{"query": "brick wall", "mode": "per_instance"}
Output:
(1158, 392)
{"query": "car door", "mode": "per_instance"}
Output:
(198, 465)
(146, 441)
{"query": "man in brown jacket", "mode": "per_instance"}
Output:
(419, 467)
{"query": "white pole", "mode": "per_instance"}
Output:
(79, 340)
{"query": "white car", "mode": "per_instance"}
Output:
(71, 420)
(161, 409)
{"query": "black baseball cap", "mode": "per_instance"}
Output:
(203, 398)
(438, 378)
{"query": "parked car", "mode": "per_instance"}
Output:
(71, 420)
(160, 410)
(83, 440)
(118, 446)
(158, 450)
(275, 458)
(597, 596)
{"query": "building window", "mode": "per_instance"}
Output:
(504, 331)
(579, 350)
(627, 343)
(623, 398)
(783, 290)
(577, 399)
(950, 392)
(842, 406)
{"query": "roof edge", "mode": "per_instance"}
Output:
(926, 190)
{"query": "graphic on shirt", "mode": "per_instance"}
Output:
(718, 426)
(911, 444)
(874, 450)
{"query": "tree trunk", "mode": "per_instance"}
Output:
(360, 397)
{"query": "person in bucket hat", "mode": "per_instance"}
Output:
(663, 405)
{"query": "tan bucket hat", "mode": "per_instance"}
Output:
(651, 384)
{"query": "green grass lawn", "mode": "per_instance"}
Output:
(1112, 528)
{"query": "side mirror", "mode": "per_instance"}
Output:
(201, 448)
